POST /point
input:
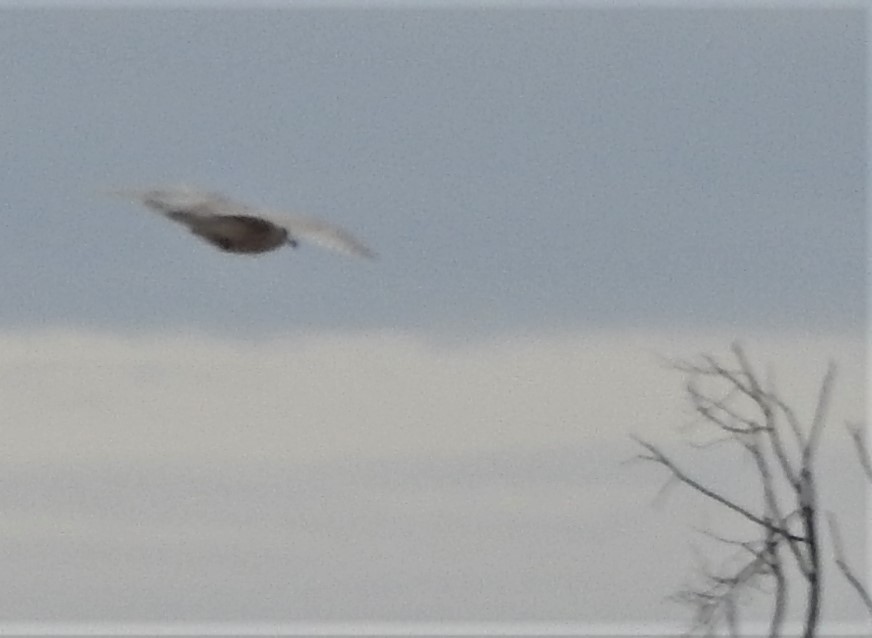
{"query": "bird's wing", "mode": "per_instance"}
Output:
(322, 233)
(184, 204)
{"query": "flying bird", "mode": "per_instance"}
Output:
(238, 228)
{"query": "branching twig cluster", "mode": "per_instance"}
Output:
(717, 597)
(739, 409)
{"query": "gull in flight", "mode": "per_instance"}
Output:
(238, 228)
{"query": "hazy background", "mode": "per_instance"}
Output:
(557, 196)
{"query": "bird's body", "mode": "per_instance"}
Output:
(239, 228)
(238, 233)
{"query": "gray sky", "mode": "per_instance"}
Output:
(556, 195)
(516, 169)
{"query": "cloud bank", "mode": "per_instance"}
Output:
(362, 476)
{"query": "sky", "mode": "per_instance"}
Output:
(558, 198)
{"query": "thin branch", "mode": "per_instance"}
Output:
(765, 401)
(734, 377)
(658, 457)
(842, 564)
(775, 440)
(809, 516)
(780, 453)
(702, 445)
(817, 423)
(779, 603)
(772, 505)
(707, 407)
(748, 545)
(858, 436)
(792, 421)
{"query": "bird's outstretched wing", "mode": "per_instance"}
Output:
(322, 233)
(184, 204)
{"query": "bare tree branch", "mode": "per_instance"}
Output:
(858, 436)
(767, 484)
(775, 440)
(792, 421)
(744, 412)
(808, 504)
(717, 598)
(812, 572)
(842, 564)
(658, 457)
(779, 603)
(710, 409)
(817, 424)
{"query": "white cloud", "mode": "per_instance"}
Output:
(413, 480)
(108, 398)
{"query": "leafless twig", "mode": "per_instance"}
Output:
(843, 566)
(858, 436)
